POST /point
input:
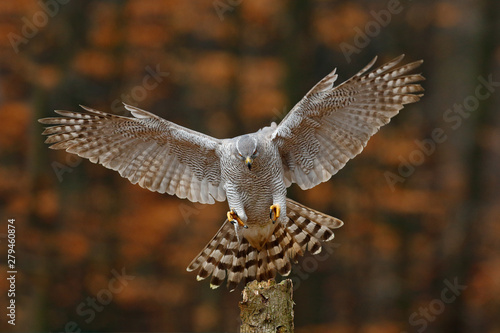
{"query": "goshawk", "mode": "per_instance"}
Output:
(264, 230)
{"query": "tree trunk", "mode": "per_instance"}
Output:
(267, 307)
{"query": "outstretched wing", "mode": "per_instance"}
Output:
(157, 154)
(330, 126)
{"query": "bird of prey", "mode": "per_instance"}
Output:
(264, 231)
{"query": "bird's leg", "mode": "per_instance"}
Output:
(274, 212)
(232, 216)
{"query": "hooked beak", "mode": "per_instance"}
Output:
(248, 162)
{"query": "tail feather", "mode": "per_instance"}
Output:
(209, 248)
(213, 260)
(301, 237)
(229, 255)
(235, 273)
(218, 277)
(276, 250)
(226, 262)
(273, 253)
(263, 272)
(294, 208)
(314, 246)
(251, 267)
(231, 251)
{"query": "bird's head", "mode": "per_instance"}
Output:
(246, 148)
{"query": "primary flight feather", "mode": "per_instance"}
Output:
(264, 231)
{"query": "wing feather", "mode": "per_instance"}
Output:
(331, 125)
(146, 149)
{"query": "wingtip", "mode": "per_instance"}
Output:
(372, 62)
(366, 68)
(86, 108)
(61, 112)
(397, 60)
(130, 107)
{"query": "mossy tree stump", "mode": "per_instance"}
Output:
(267, 307)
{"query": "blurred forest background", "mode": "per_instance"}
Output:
(421, 204)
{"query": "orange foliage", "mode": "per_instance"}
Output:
(73, 246)
(104, 32)
(261, 11)
(335, 25)
(47, 204)
(441, 221)
(48, 76)
(215, 69)
(447, 14)
(14, 120)
(95, 64)
(260, 82)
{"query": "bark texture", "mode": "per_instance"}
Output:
(267, 307)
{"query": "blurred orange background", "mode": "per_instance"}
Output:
(419, 251)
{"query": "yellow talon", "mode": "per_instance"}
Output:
(231, 216)
(275, 211)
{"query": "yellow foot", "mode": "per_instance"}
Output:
(275, 212)
(232, 216)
